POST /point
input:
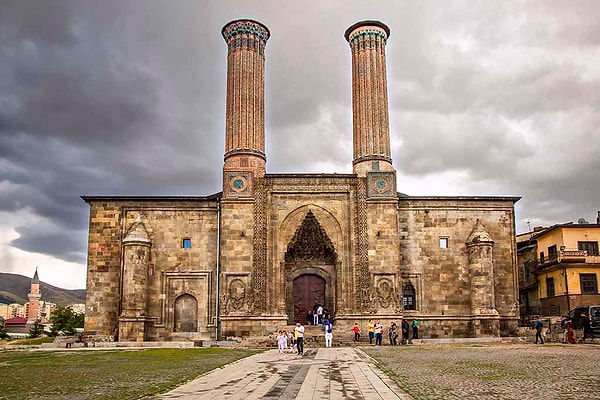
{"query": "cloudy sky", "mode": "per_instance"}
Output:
(128, 98)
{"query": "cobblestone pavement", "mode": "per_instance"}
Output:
(326, 373)
(493, 371)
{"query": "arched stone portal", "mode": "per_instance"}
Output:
(186, 314)
(310, 270)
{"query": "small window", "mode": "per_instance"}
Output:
(408, 296)
(552, 252)
(444, 242)
(542, 258)
(590, 247)
(550, 287)
(375, 166)
(589, 283)
(186, 243)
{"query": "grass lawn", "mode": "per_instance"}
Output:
(110, 374)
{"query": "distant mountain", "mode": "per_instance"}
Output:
(15, 288)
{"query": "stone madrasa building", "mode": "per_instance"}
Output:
(265, 250)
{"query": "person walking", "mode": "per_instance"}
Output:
(315, 315)
(356, 331)
(393, 334)
(415, 329)
(320, 314)
(299, 329)
(539, 325)
(378, 333)
(328, 332)
(371, 330)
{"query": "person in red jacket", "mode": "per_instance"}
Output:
(356, 331)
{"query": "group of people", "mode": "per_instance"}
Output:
(317, 315)
(376, 331)
(566, 325)
(291, 341)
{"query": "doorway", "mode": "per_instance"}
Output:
(309, 290)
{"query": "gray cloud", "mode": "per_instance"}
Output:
(128, 98)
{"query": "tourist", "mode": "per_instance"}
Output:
(315, 315)
(292, 339)
(415, 329)
(393, 334)
(405, 329)
(328, 332)
(356, 331)
(378, 333)
(587, 326)
(320, 314)
(570, 332)
(299, 329)
(371, 330)
(281, 342)
(309, 317)
(539, 325)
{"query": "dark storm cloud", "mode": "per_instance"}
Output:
(128, 98)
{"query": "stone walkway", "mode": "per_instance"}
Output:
(324, 373)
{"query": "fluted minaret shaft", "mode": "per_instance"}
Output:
(245, 118)
(369, 97)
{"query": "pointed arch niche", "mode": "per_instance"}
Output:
(310, 256)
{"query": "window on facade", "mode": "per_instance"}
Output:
(590, 247)
(550, 287)
(552, 252)
(408, 297)
(542, 258)
(375, 166)
(444, 241)
(526, 270)
(589, 283)
(186, 243)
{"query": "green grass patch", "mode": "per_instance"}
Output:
(110, 374)
(30, 341)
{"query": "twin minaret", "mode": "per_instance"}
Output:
(245, 114)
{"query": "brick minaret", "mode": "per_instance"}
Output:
(34, 296)
(245, 114)
(369, 97)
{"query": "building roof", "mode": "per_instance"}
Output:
(16, 321)
(89, 199)
(567, 225)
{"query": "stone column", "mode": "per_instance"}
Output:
(245, 113)
(481, 273)
(136, 257)
(369, 97)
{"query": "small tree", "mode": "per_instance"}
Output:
(35, 330)
(3, 334)
(65, 320)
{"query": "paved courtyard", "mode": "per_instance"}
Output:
(494, 371)
(325, 373)
(468, 371)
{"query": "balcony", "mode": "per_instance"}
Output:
(566, 256)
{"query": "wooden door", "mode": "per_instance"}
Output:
(309, 290)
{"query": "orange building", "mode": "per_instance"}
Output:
(560, 265)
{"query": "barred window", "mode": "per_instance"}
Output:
(550, 287)
(589, 283)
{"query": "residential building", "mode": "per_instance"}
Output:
(559, 268)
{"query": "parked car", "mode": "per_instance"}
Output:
(594, 311)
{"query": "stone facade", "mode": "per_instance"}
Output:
(260, 254)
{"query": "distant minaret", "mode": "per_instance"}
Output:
(34, 295)
(245, 114)
(369, 97)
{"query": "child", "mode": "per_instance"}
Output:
(281, 342)
(356, 331)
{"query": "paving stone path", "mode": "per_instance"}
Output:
(325, 373)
